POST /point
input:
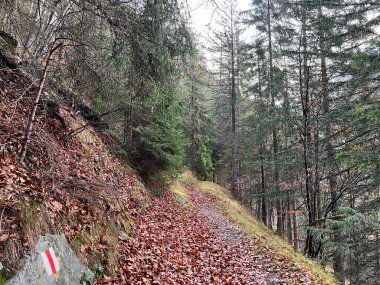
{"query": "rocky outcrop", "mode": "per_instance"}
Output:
(71, 271)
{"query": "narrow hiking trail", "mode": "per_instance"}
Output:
(175, 245)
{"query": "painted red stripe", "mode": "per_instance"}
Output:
(48, 255)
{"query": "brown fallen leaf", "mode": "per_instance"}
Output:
(4, 237)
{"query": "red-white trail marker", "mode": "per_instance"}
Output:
(51, 263)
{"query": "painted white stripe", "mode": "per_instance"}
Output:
(55, 260)
(46, 264)
(48, 268)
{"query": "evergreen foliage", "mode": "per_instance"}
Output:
(308, 126)
(197, 121)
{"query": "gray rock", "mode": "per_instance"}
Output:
(72, 271)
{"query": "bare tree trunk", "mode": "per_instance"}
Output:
(125, 129)
(233, 108)
(377, 267)
(295, 226)
(338, 263)
(213, 155)
(29, 127)
(193, 124)
(311, 249)
(338, 258)
(263, 201)
(128, 125)
(263, 197)
(270, 215)
(279, 221)
(317, 178)
(288, 218)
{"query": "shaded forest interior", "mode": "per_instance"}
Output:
(281, 106)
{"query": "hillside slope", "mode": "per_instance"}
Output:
(77, 187)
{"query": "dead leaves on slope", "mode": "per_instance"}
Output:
(78, 189)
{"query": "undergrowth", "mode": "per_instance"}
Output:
(157, 182)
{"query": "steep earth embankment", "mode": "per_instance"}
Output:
(74, 186)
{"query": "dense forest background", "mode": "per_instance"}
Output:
(283, 106)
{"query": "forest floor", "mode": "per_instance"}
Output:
(185, 238)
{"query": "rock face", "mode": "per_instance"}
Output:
(71, 270)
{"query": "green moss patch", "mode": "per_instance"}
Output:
(180, 195)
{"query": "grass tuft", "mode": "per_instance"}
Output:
(180, 194)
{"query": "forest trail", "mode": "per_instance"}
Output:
(174, 244)
(196, 233)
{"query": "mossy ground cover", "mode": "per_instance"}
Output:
(178, 188)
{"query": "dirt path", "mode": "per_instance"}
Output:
(174, 245)
(238, 241)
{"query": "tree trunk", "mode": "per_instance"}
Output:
(270, 214)
(128, 128)
(377, 266)
(289, 219)
(338, 257)
(317, 178)
(295, 226)
(32, 115)
(263, 200)
(263, 197)
(338, 263)
(233, 109)
(125, 129)
(310, 245)
(193, 125)
(276, 177)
